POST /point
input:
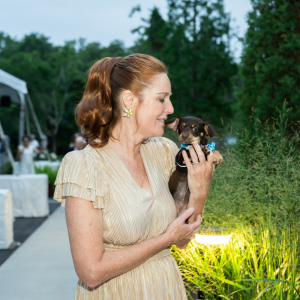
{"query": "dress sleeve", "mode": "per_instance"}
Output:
(170, 151)
(76, 177)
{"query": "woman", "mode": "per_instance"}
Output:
(120, 237)
(25, 155)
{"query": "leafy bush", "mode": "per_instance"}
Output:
(260, 178)
(6, 168)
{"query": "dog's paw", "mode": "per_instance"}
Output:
(205, 150)
(218, 159)
(218, 162)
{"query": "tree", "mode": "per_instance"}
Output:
(194, 44)
(55, 77)
(270, 60)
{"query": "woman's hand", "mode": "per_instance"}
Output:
(200, 173)
(179, 232)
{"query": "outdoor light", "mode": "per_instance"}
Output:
(212, 239)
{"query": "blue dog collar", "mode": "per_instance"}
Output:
(212, 146)
(183, 168)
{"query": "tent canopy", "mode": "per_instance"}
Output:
(11, 86)
(16, 90)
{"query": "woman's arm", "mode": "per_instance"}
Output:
(92, 264)
(36, 150)
(199, 178)
(19, 154)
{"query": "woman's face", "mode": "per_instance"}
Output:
(155, 107)
(25, 141)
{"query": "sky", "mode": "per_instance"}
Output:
(95, 20)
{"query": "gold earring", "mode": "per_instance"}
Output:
(127, 112)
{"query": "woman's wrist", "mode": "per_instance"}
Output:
(198, 202)
(198, 197)
(166, 239)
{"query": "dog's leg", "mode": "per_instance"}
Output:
(218, 159)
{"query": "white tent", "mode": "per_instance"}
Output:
(16, 90)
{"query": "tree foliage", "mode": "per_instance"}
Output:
(194, 43)
(270, 62)
(55, 77)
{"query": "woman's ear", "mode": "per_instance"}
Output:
(128, 99)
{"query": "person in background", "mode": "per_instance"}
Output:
(72, 144)
(33, 141)
(79, 143)
(25, 156)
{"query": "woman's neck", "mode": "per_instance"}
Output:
(127, 143)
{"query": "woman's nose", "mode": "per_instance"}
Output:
(169, 107)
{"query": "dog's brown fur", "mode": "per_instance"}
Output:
(190, 130)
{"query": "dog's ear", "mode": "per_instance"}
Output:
(209, 130)
(173, 123)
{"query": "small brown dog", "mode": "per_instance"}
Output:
(190, 130)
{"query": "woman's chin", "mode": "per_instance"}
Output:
(154, 134)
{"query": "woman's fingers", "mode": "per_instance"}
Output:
(193, 154)
(196, 224)
(210, 158)
(196, 153)
(199, 152)
(186, 214)
(186, 159)
(193, 229)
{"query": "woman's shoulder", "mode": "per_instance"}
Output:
(77, 167)
(81, 177)
(78, 155)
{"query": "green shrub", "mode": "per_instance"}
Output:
(6, 168)
(256, 195)
(259, 179)
(47, 170)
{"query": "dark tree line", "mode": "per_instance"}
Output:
(194, 42)
(55, 77)
(270, 65)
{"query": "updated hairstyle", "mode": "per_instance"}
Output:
(99, 110)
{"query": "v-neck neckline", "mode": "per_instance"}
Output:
(129, 174)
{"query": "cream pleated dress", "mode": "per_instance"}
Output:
(130, 215)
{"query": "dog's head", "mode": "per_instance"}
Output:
(191, 130)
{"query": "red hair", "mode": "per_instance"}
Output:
(99, 110)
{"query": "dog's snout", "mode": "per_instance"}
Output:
(185, 135)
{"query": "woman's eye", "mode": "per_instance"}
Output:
(162, 100)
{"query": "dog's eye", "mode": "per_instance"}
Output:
(181, 126)
(195, 129)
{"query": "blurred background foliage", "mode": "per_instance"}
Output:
(194, 42)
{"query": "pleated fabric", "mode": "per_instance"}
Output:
(130, 214)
